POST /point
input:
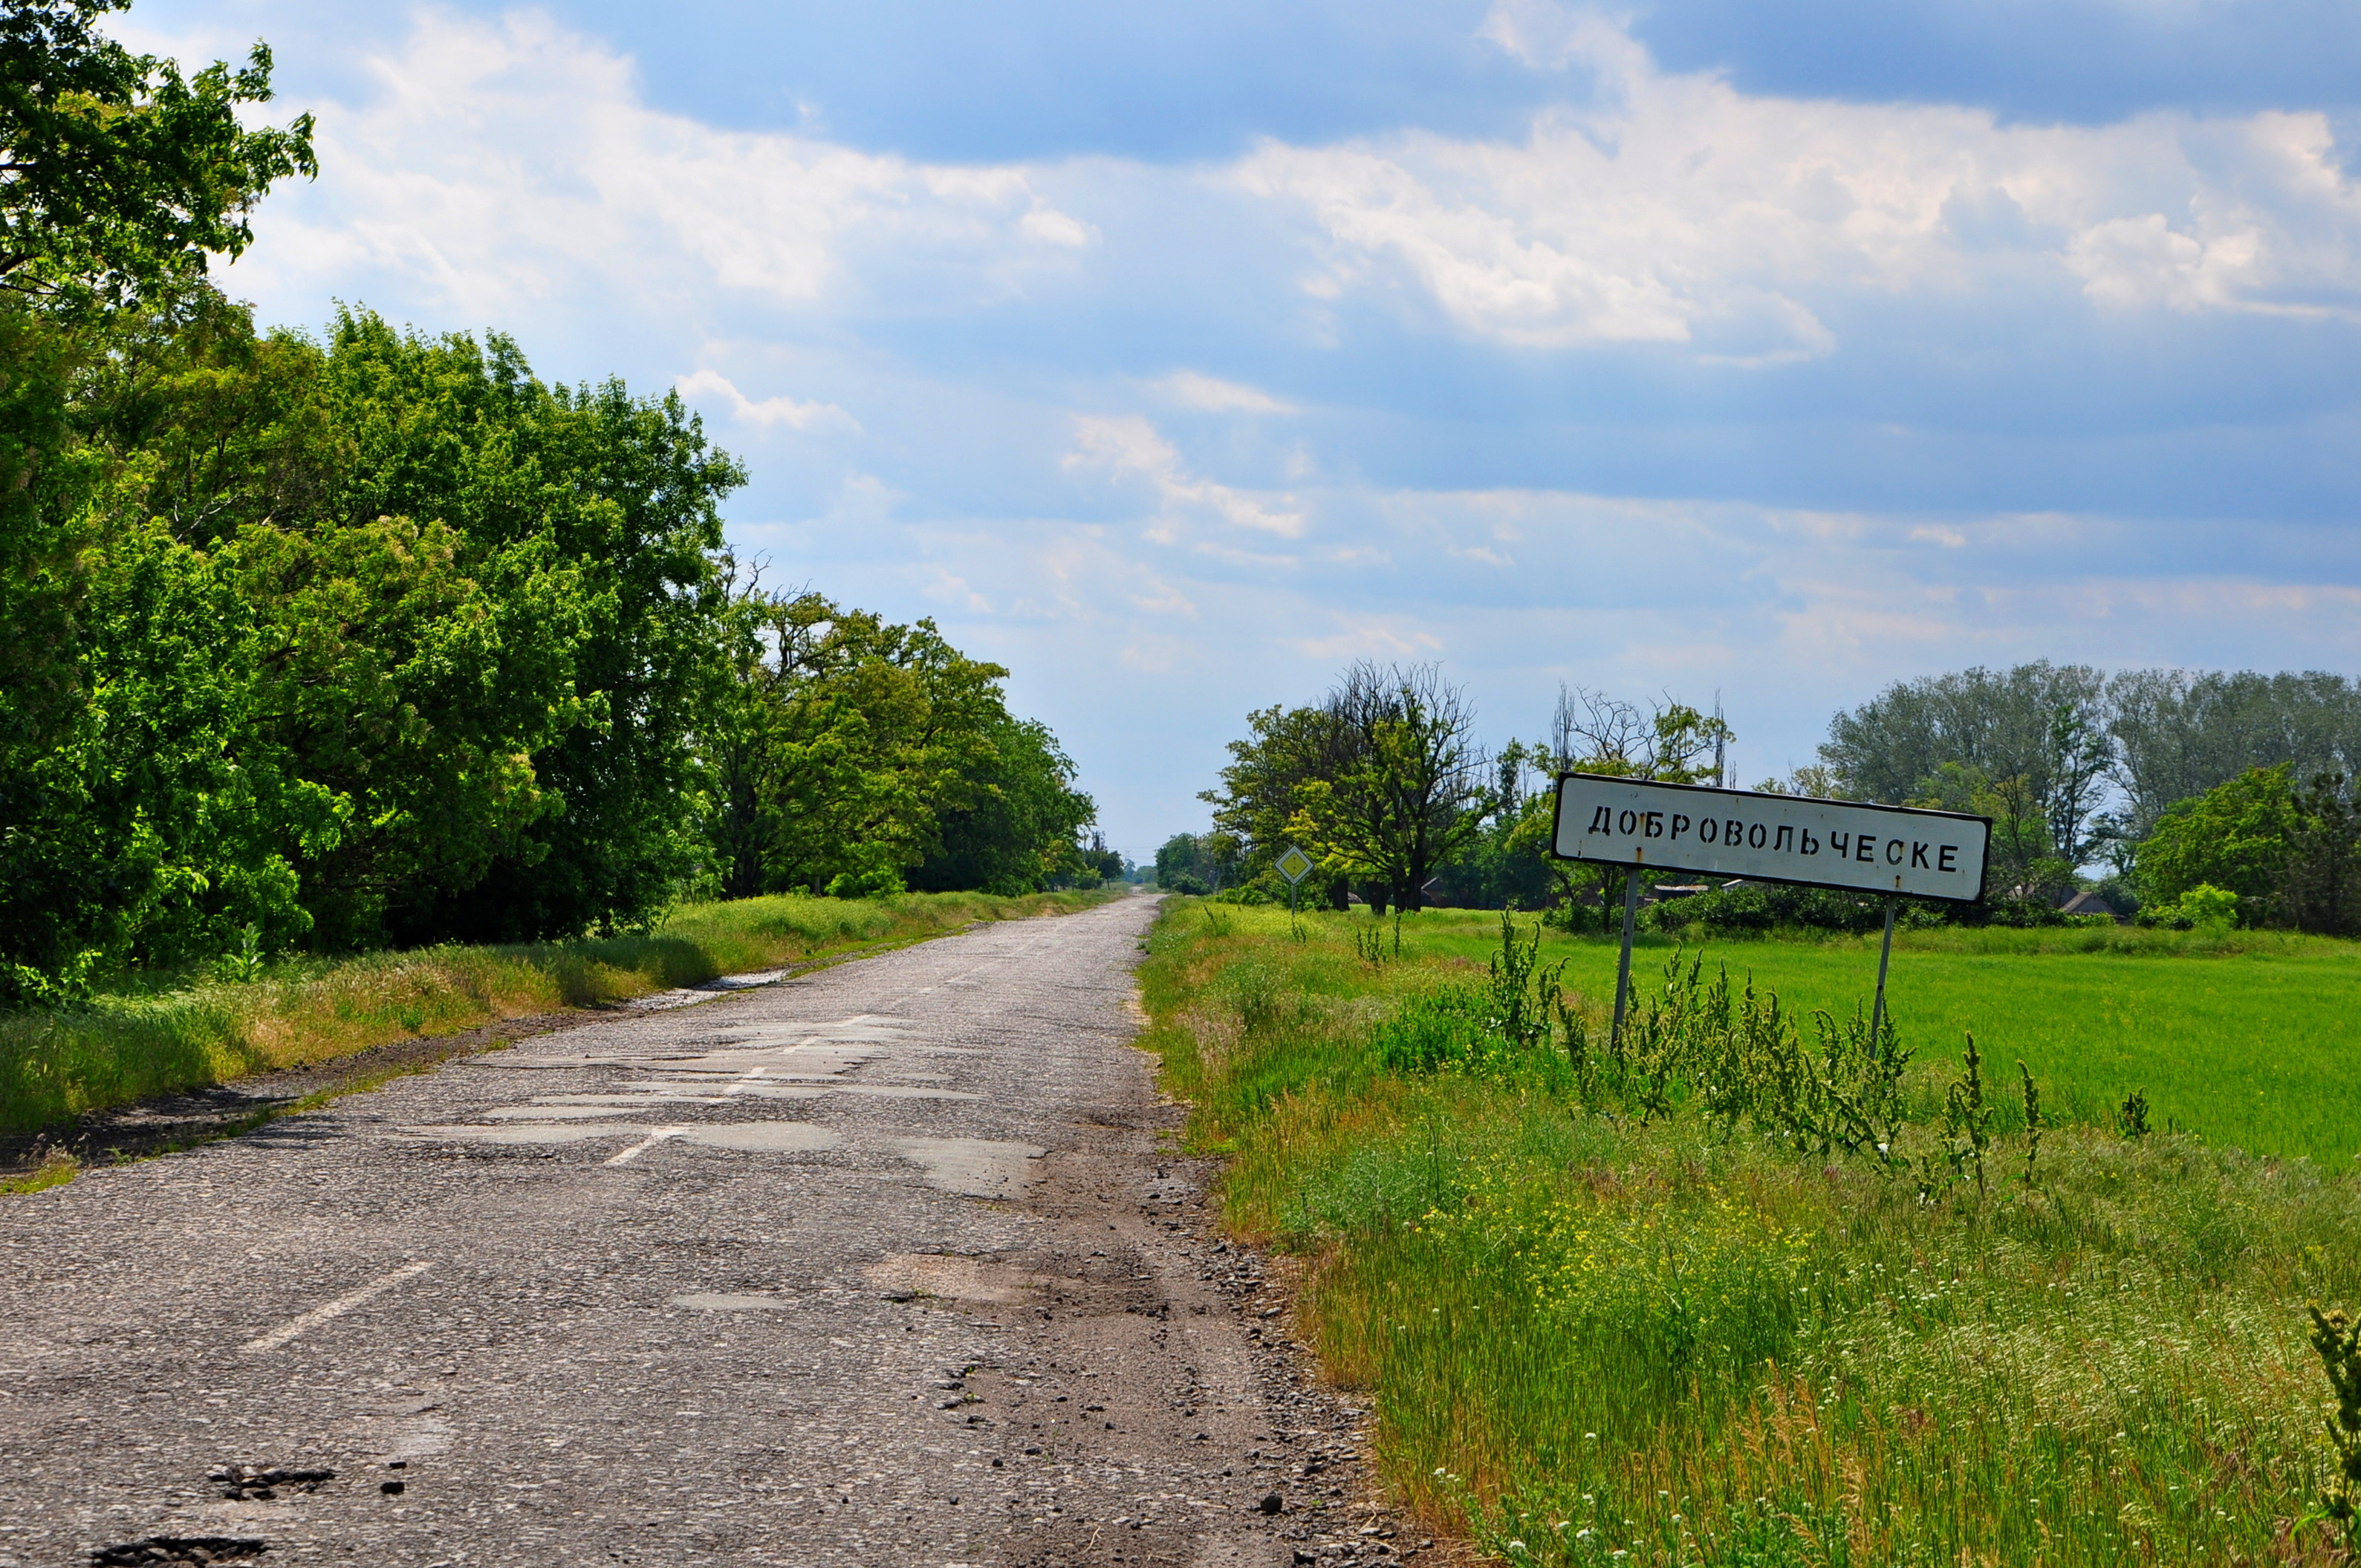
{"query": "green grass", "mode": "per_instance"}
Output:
(140, 1041)
(1595, 1341)
(2248, 1038)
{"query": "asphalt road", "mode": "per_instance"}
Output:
(890, 1263)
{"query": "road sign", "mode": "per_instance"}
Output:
(1644, 826)
(1771, 837)
(1294, 865)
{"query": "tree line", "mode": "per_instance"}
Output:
(2187, 795)
(375, 637)
(2163, 782)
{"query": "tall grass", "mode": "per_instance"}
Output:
(1599, 1341)
(144, 1042)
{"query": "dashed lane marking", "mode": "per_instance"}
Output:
(644, 1145)
(335, 1309)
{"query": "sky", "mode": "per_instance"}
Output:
(1177, 356)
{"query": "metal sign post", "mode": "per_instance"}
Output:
(1885, 956)
(1294, 865)
(1644, 826)
(1623, 967)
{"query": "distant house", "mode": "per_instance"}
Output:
(2085, 901)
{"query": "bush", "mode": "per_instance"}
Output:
(2202, 908)
(1757, 908)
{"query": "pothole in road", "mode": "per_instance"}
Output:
(973, 1168)
(178, 1549)
(248, 1482)
(954, 1277)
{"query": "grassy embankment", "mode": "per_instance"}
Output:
(1608, 1337)
(175, 1036)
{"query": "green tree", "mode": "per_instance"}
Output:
(1261, 791)
(2320, 889)
(853, 755)
(2024, 863)
(119, 178)
(2179, 733)
(1411, 794)
(120, 174)
(416, 682)
(627, 492)
(2238, 837)
(2041, 723)
(1018, 828)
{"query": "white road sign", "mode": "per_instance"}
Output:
(1771, 837)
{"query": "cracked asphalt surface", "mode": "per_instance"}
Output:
(889, 1263)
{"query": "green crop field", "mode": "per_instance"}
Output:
(2245, 1038)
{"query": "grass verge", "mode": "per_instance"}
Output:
(57, 1065)
(1595, 1337)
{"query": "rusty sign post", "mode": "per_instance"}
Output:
(1642, 826)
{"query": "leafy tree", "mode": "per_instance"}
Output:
(415, 682)
(120, 174)
(2237, 837)
(2178, 733)
(1017, 829)
(2043, 724)
(2322, 888)
(2025, 863)
(118, 178)
(1411, 794)
(140, 836)
(626, 491)
(852, 756)
(1504, 866)
(1199, 863)
(1261, 792)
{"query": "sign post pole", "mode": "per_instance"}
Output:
(1623, 969)
(1885, 957)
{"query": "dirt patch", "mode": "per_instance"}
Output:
(955, 1276)
(1157, 1412)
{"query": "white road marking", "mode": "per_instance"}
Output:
(335, 1309)
(644, 1145)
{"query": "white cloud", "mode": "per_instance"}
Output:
(513, 160)
(1682, 210)
(1191, 390)
(769, 410)
(1128, 444)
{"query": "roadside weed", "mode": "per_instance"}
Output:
(1747, 1290)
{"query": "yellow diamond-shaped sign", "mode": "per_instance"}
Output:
(1294, 865)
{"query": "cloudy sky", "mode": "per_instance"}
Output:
(1175, 357)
